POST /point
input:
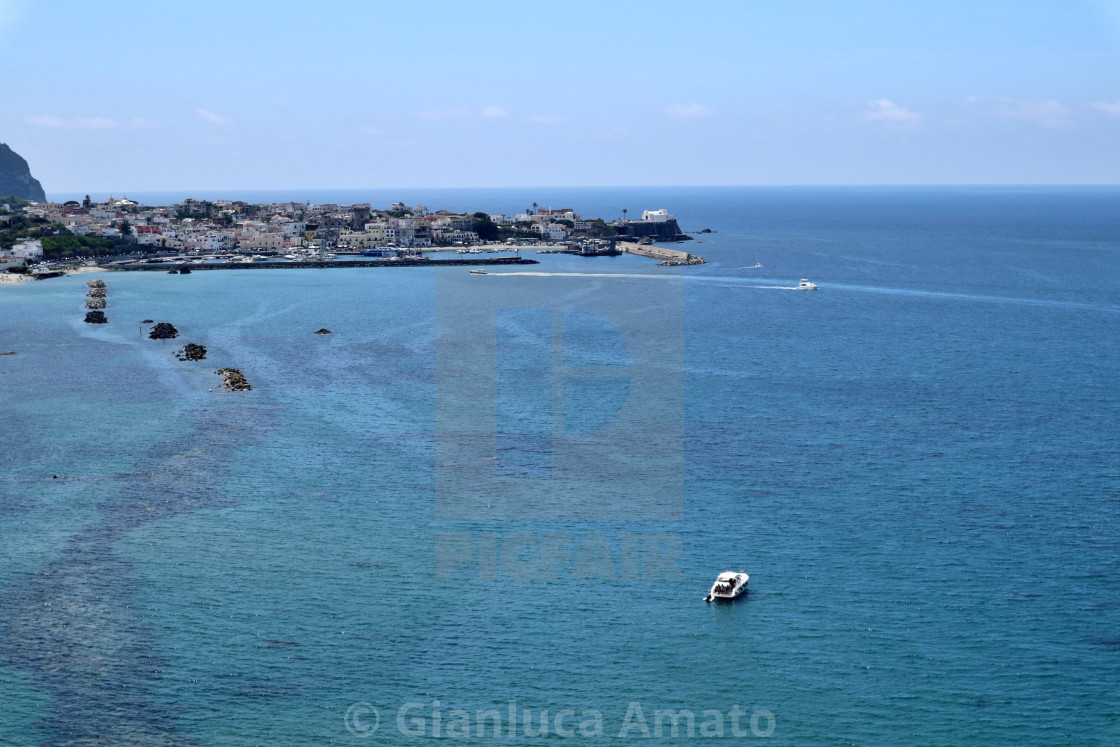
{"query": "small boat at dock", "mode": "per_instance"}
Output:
(728, 585)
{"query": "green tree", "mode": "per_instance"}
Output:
(486, 229)
(125, 228)
(62, 247)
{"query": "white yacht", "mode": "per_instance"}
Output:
(728, 585)
(805, 285)
(478, 272)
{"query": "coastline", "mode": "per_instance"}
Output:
(9, 278)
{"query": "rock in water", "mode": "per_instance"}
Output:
(96, 317)
(97, 293)
(96, 283)
(163, 331)
(16, 179)
(323, 331)
(191, 352)
(234, 380)
(95, 303)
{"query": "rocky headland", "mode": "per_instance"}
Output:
(16, 179)
(657, 230)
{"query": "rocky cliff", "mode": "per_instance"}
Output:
(16, 179)
(666, 231)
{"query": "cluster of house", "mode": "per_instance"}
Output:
(25, 251)
(224, 225)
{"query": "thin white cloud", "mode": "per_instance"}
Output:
(888, 112)
(1108, 107)
(214, 117)
(486, 112)
(88, 123)
(689, 111)
(1046, 113)
(46, 120)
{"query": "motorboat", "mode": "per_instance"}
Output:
(805, 285)
(478, 272)
(728, 585)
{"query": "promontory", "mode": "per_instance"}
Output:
(16, 179)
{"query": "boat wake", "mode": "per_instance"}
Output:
(984, 298)
(725, 280)
(761, 284)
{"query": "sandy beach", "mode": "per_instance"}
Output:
(9, 278)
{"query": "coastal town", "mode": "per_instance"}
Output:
(121, 233)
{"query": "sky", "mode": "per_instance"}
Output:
(245, 94)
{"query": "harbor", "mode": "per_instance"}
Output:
(306, 264)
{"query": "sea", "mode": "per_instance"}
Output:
(489, 508)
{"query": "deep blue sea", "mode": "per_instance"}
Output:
(508, 494)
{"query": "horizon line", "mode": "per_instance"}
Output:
(878, 185)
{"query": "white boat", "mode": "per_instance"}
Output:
(478, 272)
(728, 585)
(805, 285)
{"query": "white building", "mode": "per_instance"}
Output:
(372, 237)
(269, 242)
(552, 231)
(27, 249)
(656, 216)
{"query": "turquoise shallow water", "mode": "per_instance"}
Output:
(517, 488)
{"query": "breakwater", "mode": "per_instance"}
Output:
(164, 267)
(668, 257)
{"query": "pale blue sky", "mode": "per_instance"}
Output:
(253, 95)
